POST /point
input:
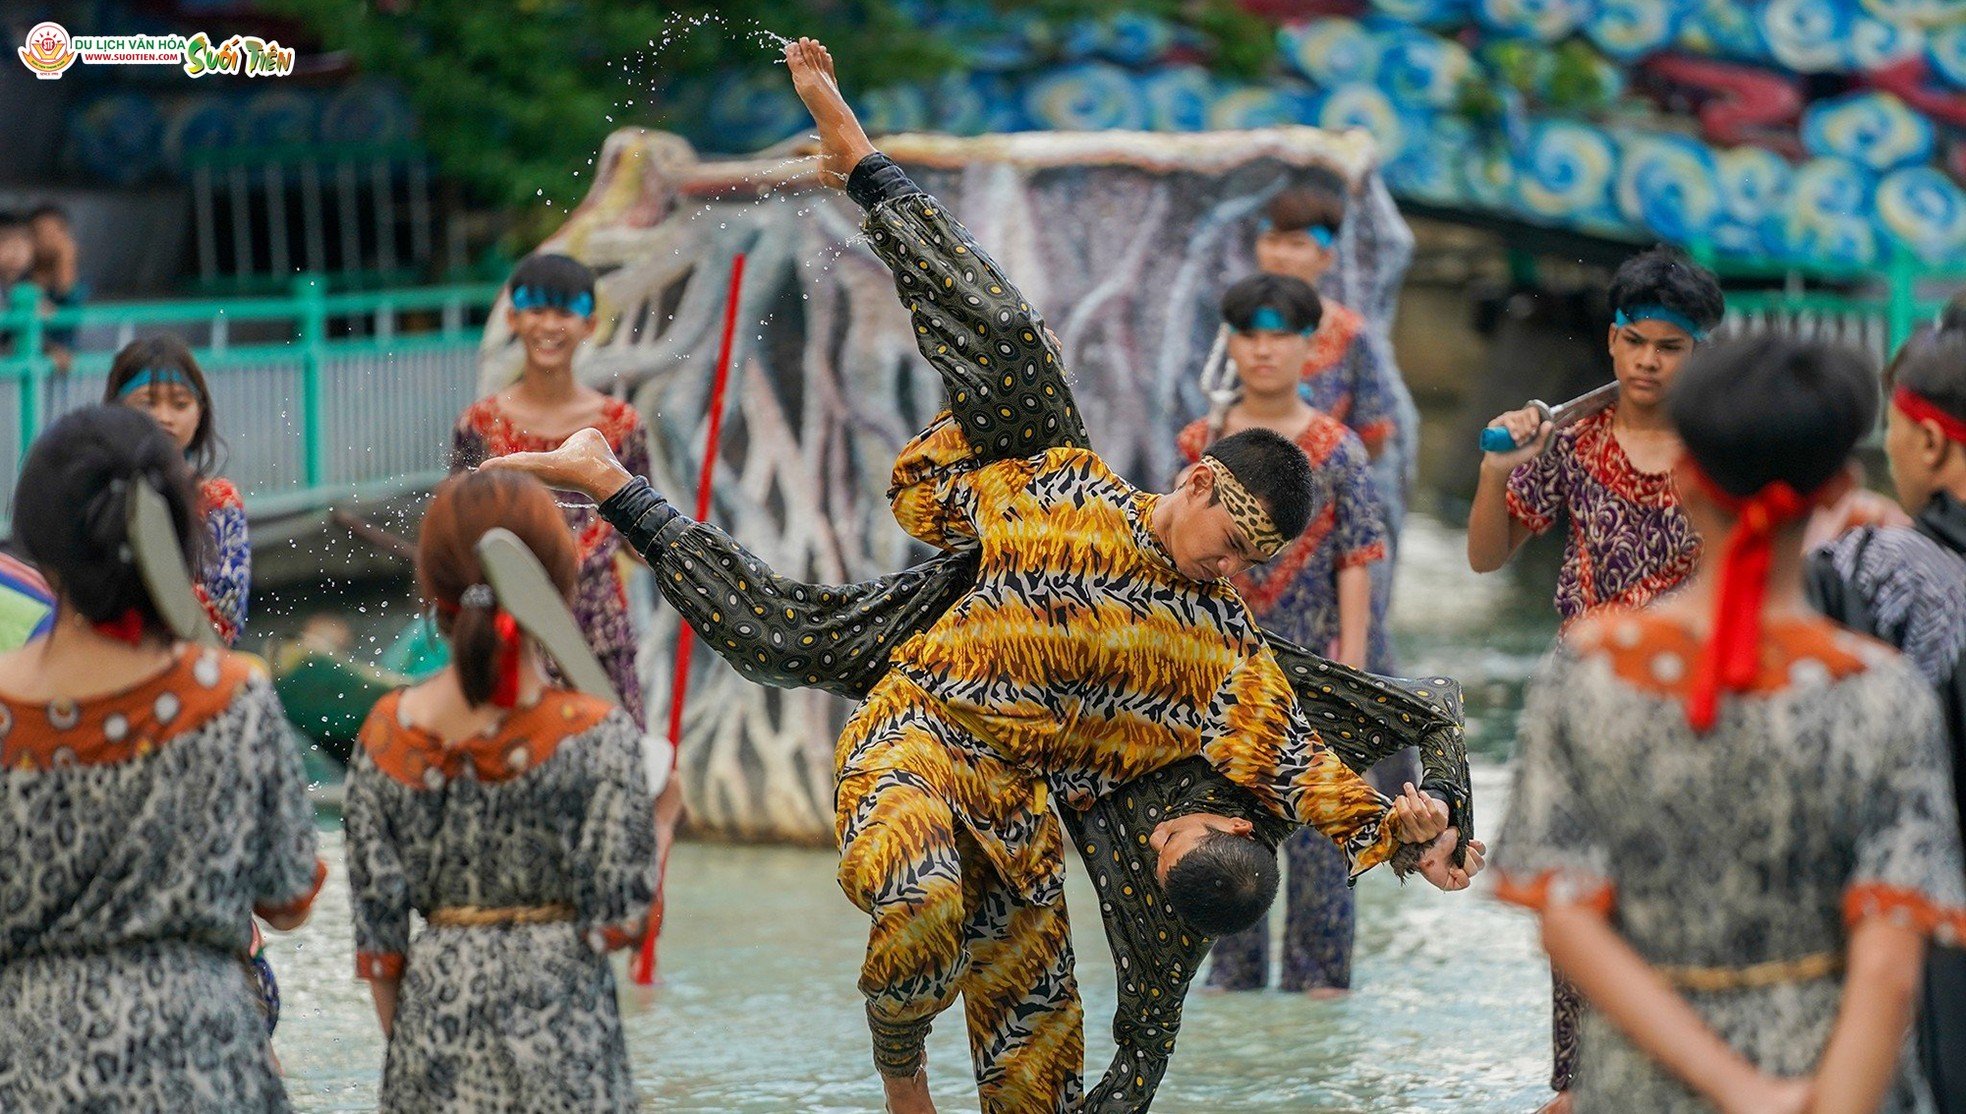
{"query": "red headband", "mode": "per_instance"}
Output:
(1921, 409)
(1733, 649)
(127, 627)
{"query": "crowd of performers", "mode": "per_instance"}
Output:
(1736, 802)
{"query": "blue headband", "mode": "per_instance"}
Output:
(1316, 232)
(1660, 313)
(1269, 319)
(532, 297)
(157, 376)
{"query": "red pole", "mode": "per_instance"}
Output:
(644, 966)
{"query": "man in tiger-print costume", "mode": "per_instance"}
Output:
(1097, 642)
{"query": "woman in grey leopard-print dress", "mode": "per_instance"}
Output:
(515, 818)
(150, 803)
(1733, 816)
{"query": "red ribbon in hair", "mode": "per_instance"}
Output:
(505, 690)
(127, 627)
(1921, 409)
(1734, 649)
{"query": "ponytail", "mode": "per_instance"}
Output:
(72, 512)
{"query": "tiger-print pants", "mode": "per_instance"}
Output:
(944, 921)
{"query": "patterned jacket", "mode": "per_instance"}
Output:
(1081, 655)
(1908, 588)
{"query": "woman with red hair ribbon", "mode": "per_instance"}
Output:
(515, 817)
(1729, 813)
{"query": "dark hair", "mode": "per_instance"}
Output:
(71, 508)
(561, 278)
(168, 352)
(1773, 407)
(47, 209)
(1275, 471)
(1664, 276)
(1933, 365)
(1224, 884)
(12, 222)
(1317, 203)
(1952, 318)
(466, 506)
(1292, 297)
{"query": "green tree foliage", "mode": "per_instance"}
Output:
(516, 96)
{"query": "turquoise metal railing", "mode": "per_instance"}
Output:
(319, 396)
(1904, 294)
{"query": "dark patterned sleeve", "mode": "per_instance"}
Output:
(1155, 954)
(832, 637)
(1535, 491)
(1359, 536)
(287, 873)
(1893, 584)
(1551, 849)
(1003, 376)
(1908, 858)
(615, 862)
(379, 890)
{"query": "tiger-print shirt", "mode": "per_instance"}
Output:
(1082, 656)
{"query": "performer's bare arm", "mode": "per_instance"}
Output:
(1354, 614)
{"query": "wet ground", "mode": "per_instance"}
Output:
(759, 1013)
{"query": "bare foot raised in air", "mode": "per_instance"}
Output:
(842, 141)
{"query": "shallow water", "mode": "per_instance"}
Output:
(759, 1012)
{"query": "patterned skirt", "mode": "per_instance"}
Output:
(159, 1026)
(507, 1017)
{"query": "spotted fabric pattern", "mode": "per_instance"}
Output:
(503, 1017)
(225, 582)
(600, 602)
(999, 367)
(1155, 954)
(125, 912)
(1851, 765)
(1627, 541)
(780, 631)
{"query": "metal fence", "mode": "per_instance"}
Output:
(366, 214)
(1892, 301)
(358, 399)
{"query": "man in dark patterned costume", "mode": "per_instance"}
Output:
(783, 632)
(1907, 586)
